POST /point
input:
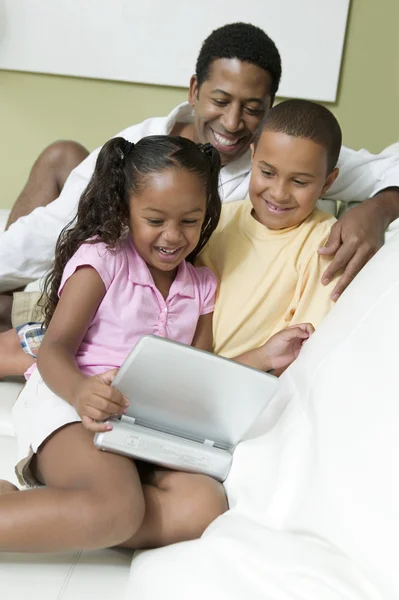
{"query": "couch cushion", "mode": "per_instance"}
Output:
(239, 559)
(69, 576)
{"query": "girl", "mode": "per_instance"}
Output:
(123, 270)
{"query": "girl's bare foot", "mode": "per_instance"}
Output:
(6, 487)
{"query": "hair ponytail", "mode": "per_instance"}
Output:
(103, 213)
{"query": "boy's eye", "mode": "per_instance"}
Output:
(154, 222)
(267, 173)
(300, 182)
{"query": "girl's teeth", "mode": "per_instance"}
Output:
(164, 251)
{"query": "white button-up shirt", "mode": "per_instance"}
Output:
(27, 248)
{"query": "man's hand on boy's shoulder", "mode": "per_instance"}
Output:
(357, 236)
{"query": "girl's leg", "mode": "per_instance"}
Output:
(178, 507)
(93, 499)
(13, 360)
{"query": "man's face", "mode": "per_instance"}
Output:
(229, 106)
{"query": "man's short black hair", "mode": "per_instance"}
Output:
(309, 120)
(245, 42)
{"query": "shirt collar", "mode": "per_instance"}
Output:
(184, 113)
(140, 274)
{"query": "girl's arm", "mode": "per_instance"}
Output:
(203, 337)
(80, 298)
(92, 397)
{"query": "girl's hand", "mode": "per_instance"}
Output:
(96, 401)
(284, 347)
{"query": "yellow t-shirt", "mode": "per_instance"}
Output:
(268, 279)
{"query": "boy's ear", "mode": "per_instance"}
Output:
(252, 146)
(330, 180)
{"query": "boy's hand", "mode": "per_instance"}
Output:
(283, 347)
(97, 401)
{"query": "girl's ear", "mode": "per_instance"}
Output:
(330, 180)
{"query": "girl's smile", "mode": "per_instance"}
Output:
(168, 254)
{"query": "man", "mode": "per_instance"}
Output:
(237, 76)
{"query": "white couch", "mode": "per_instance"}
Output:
(314, 490)
(314, 500)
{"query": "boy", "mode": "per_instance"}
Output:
(264, 251)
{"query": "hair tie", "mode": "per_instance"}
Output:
(127, 147)
(207, 149)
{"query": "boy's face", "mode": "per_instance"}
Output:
(288, 176)
(229, 106)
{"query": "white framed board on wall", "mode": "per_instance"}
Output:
(157, 41)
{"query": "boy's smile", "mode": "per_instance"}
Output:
(288, 176)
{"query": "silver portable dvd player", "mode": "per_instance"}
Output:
(188, 408)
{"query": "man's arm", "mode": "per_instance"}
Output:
(27, 247)
(362, 175)
(359, 234)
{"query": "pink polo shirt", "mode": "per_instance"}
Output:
(133, 306)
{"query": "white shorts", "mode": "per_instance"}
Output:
(37, 413)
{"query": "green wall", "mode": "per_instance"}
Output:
(38, 109)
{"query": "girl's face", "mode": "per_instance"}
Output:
(166, 217)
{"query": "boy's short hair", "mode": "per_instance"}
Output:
(245, 42)
(309, 120)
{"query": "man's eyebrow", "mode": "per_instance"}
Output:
(218, 91)
(265, 164)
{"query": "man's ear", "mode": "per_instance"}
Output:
(193, 91)
(329, 181)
